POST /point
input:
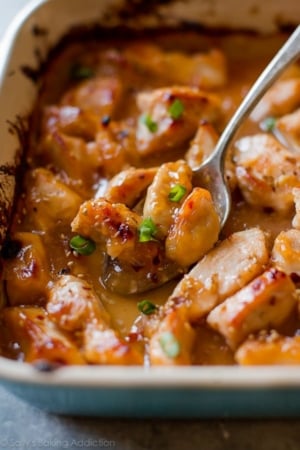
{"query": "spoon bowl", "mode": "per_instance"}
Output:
(210, 175)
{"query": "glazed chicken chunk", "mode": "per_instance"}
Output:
(52, 203)
(269, 348)
(195, 229)
(131, 264)
(158, 205)
(265, 302)
(74, 306)
(282, 98)
(289, 128)
(170, 116)
(100, 95)
(203, 70)
(38, 337)
(286, 252)
(27, 270)
(266, 172)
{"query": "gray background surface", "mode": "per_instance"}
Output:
(25, 427)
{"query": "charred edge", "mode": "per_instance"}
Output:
(38, 31)
(19, 127)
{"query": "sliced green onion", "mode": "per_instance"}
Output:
(82, 245)
(149, 123)
(79, 72)
(147, 230)
(146, 307)
(169, 344)
(268, 124)
(176, 109)
(177, 193)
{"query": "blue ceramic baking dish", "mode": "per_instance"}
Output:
(131, 391)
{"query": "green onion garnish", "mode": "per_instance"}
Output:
(169, 344)
(149, 123)
(79, 72)
(147, 230)
(268, 124)
(177, 193)
(176, 109)
(146, 307)
(82, 245)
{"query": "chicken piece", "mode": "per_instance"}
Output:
(164, 124)
(224, 270)
(289, 128)
(71, 121)
(129, 186)
(78, 163)
(265, 302)
(112, 224)
(131, 265)
(272, 349)
(26, 273)
(172, 343)
(296, 219)
(282, 98)
(75, 307)
(49, 202)
(202, 145)
(203, 70)
(38, 337)
(195, 230)
(266, 172)
(101, 95)
(221, 272)
(113, 153)
(158, 205)
(286, 252)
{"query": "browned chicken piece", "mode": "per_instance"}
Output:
(296, 219)
(38, 337)
(220, 273)
(70, 120)
(266, 172)
(75, 307)
(224, 270)
(132, 265)
(202, 145)
(271, 349)
(170, 117)
(27, 273)
(101, 95)
(78, 163)
(129, 186)
(158, 204)
(114, 225)
(203, 70)
(265, 302)
(49, 202)
(173, 341)
(282, 98)
(289, 128)
(195, 229)
(113, 153)
(286, 252)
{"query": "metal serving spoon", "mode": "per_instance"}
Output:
(210, 175)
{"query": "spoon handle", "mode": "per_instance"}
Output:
(286, 55)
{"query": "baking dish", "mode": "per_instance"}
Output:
(122, 391)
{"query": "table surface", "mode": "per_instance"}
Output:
(24, 427)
